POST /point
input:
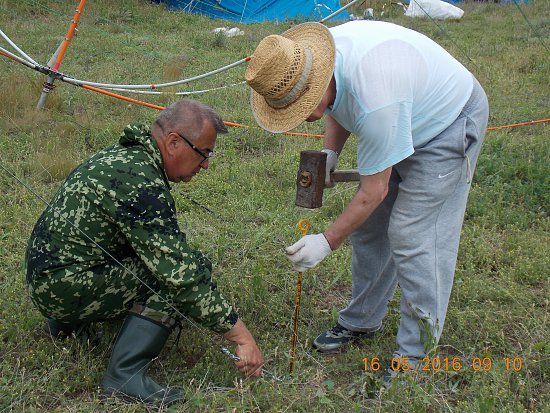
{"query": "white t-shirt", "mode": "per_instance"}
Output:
(396, 89)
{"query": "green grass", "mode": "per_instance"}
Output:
(499, 304)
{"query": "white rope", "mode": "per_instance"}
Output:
(160, 85)
(194, 92)
(69, 80)
(19, 59)
(21, 52)
(330, 16)
(79, 82)
(244, 8)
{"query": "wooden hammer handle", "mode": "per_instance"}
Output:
(345, 175)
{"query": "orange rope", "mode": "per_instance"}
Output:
(532, 122)
(115, 95)
(240, 125)
(309, 135)
(236, 125)
(8, 56)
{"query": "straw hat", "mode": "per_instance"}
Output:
(289, 75)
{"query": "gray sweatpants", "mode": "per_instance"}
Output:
(412, 238)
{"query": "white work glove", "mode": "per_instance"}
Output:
(309, 251)
(332, 160)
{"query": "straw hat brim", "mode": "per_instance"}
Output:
(318, 39)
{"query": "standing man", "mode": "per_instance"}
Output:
(109, 246)
(420, 117)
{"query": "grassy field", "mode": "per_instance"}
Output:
(499, 305)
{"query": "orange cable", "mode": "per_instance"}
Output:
(236, 125)
(115, 95)
(532, 122)
(8, 56)
(240, 125)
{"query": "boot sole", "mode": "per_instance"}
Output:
(106, 397)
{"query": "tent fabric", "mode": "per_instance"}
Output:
(462, 1)
(254, 11)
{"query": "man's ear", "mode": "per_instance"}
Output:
(172, 143)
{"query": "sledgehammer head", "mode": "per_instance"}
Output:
(310, 180)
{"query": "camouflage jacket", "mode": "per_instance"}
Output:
(120, 198)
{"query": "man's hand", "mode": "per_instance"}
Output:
(332, 160)
(309, 251)
(251, 362)
(251, 359)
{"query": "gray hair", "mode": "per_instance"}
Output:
(188, 116)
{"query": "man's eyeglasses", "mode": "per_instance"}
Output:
(205, 157)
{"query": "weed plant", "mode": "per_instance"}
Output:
(241, 213)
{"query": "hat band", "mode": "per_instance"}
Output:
(298, 87)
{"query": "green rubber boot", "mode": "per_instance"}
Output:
(139, 342)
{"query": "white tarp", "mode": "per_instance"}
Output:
(436, 9)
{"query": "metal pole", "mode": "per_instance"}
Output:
(57, 57)
(330, 16)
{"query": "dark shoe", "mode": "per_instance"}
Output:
(333, 340)
(86, 331)
(57, 329)
(139, 342)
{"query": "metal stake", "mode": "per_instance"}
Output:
(303, 226)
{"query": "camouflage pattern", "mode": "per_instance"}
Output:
(120, 198)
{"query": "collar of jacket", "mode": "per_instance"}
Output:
(139, 134)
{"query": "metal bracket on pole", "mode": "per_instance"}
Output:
(57, 57)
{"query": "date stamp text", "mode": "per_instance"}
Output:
(434, 364)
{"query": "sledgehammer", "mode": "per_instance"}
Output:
(310, 181)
